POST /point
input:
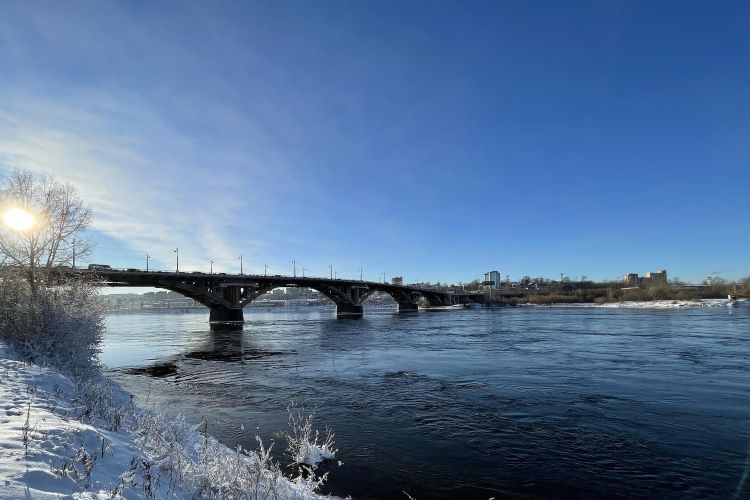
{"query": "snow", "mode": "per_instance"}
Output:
(315, 454)
(53, 445)
(305, 444)
(652, 304)
(64, 456)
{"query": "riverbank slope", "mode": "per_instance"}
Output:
(54, 443)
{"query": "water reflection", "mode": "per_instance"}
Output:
(227, 346)
(227, 326)
(159, 370)
(230, 347)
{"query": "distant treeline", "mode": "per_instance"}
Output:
(600, 294)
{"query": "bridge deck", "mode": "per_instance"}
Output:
(227, 294)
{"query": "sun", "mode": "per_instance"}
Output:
(19, 219)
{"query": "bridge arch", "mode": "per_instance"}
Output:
(332, 294)
(227, 302)
(205, 297)
(408, 299)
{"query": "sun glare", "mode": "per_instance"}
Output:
(17, 218)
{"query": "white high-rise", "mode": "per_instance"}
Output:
(492, 279)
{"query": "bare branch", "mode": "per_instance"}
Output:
(61, 216)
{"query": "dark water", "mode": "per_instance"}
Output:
(517, 402)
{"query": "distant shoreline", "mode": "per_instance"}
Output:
(640, 304)
(622, 304)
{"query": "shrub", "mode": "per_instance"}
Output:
(660, 293)
(305, 445)
(59, 326)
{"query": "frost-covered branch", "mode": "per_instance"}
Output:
(60, 216)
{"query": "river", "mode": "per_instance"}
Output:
(512, 402)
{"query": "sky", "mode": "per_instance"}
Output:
(430, 140)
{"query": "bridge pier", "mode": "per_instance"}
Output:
(219, 313)
(346, 310)
(404, 307)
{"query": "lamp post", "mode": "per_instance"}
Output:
(360, 274)
(241, 269)
(177, 251)
(303, 271)
(294, 263)
(265, 269)
(330, 268)
(211, 268)
(74, 253)
(148, 257)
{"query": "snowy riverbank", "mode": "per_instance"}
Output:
(49, 449)
(650, 304)
(62, 440)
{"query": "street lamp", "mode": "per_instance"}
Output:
(177, 251)
(148, 257)
(265, 269)
(360, 274)
(303, 271)
(241, 270)
(294, 263)
(330, 268)
(211, 269)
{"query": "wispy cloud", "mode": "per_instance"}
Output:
(173, 130)
(150, 185)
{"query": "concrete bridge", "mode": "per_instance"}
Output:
(226, 294)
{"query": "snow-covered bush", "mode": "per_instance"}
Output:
(305, 446)
(59, 326)
(185, 455)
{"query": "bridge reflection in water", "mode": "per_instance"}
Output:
(227, 294)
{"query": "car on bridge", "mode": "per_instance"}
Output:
(100, 267)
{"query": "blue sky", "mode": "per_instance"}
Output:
(433, 140)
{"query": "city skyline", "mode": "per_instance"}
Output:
(428, 140)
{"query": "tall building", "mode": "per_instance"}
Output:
(651, 279)
(631, 279)
(398, 280)
(657, 278)
(492, 279)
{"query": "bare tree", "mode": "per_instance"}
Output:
(59, 219)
